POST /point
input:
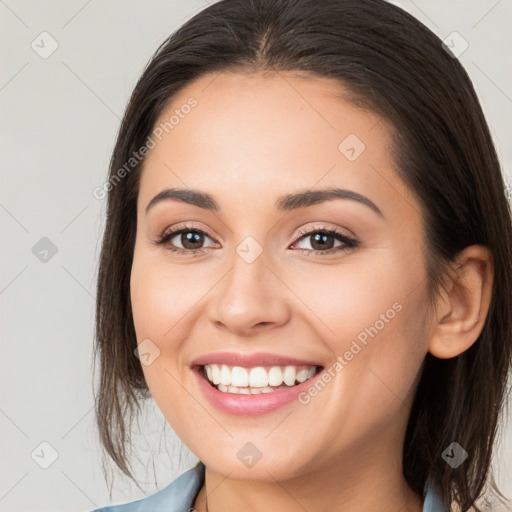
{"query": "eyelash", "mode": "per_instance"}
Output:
(348, 242)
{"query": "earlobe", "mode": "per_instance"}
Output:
(463, 306)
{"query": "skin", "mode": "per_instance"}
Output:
(250, 139)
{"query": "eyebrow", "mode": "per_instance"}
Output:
(288, 202)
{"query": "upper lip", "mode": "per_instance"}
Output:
(251, 360)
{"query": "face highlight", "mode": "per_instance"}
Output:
(298, 240)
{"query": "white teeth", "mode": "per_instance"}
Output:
(236, 379)
(239, 377)
(302, 375)
(225, 375)
(258, 378)
(248, 391)
(275, 376)
(289, 375)
(215, 374)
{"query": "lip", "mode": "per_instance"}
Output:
(251, 360)
(250, 405)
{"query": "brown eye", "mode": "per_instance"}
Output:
(191, 240)
(323, 241)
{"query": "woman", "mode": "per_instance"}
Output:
(307, 263)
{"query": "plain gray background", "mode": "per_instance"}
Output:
(60, 115)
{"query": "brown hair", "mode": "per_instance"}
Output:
(395, 66)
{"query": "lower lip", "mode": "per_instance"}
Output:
(250, 405)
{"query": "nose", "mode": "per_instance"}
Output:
(249, 299)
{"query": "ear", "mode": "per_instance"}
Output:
(462, 307)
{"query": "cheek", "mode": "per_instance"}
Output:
(372, 315)
(384, 355)
(158, 303)
(166, 308)
(161, 298)
(355, 298)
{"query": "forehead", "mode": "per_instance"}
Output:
(270, 133)
(277, 109)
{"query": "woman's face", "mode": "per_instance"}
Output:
(269, 281)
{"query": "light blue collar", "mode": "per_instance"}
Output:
(432, 501)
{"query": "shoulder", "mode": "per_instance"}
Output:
(179, 495)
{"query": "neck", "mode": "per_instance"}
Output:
(339, 487)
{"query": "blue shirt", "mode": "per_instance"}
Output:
(181, 493)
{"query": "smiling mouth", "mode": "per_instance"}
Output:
(256, 380)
